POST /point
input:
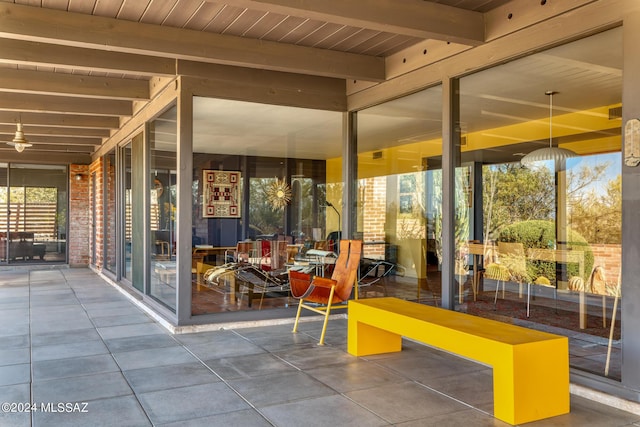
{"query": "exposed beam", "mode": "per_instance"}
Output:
(51, 55)
(415, 18)
(61, 104)
(519, 14)
(32, 130)
(44, 156)
(59, 120)
(39, 82)
(54, 140)
(263, 86)
(58, 148)
(591, 17)
(94, 32)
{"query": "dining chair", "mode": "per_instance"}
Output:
(321, 294)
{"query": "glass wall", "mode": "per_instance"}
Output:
(399, 205)
(127, 236)
(163, 148)
(544, 236)
(4, 211)
(259, 185)
(110, 211)
(33, 213)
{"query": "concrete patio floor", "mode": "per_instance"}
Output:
(69, 337)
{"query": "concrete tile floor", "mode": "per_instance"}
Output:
(67, 336)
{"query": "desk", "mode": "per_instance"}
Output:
(319, 259)
(212, 250)
(478, 250)
(563, 256)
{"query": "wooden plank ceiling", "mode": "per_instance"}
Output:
(72, 70)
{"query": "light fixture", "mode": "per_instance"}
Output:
(78, 177)
(557, 155)
(328, 204)
(19, 141)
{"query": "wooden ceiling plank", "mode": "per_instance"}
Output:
(415, 18)
(45, 54)
(180, 15)
(61, 104)
(36, 24)
(39, 82)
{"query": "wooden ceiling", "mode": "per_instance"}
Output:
(73, 71)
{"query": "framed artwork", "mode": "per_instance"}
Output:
(221, 194)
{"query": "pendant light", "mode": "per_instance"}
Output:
(19, 141)
(557, 155)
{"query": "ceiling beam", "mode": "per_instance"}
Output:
(54, 140)
(50, 55)
(32, 130)
(60, 148)
(79, 30)
(59, 120)
(415, 18)
(43, 156)
(39, 82)
(64, 104)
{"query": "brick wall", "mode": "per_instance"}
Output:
(609, 257)
(374, 212)
(96, 170)
(79, 231)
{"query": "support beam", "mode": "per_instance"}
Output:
(415, 18)
(55, 140)
(588, 19)
(62, 104)
(39, 82)
(78, 58)
(263, 86)
(59, 120)
(94, 32)
(33, 130)
(44, 157)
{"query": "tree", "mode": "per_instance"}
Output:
(598, 215)
(513, 194)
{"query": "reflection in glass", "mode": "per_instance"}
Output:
(548, 252)
(399, 197)
(128, 209)
(285, 156)
(109, 211)
(35, 214)
(162, 203)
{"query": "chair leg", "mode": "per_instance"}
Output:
(326, 316)
(295, 325)
(495, 299)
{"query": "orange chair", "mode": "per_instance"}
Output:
(324, 291)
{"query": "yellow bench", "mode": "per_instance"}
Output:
(530, 368)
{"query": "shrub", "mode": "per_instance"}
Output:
(542, 235)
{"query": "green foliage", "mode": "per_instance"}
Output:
(542, 235)
(262, 217)
(513, 193)
(598, 215)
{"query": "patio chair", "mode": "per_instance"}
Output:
(373, 274)
(320, 294)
